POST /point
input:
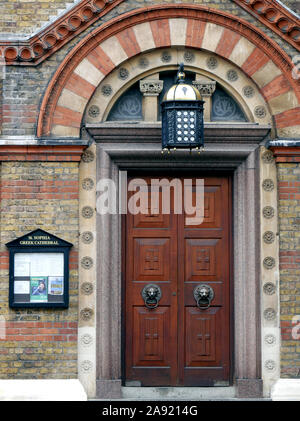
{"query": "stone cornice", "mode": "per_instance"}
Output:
(286, 153)
(151, 132)
(41, 152)
(276, 17)
(44, 43)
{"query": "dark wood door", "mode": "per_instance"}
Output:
(177, 343)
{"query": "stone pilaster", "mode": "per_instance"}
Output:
(206, 87)
(270, 308)
(87, 272)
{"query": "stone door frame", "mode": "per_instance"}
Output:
(243, 159)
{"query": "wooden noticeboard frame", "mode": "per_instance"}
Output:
(39, 271)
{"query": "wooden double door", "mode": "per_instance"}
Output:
(177, 343)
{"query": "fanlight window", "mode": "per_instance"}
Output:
(128, 107)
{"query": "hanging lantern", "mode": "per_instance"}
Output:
(182, 116)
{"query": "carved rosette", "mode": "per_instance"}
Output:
(86, 262)
(212, 63)
(86, 365)
(268, 184)
(87, 237)
(270, 339)
(268, 212)
(86, 340)
(86, 314)
(270, 365)
(88, 156)
(270, 314)
(87, 288)
(87, 212)
(205, 88)
(269, 288)
(151, 87)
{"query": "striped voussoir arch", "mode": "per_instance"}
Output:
(142, 30)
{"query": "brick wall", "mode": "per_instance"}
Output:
(292, 4)
(23, 17)
(289, 223)
(39, 343)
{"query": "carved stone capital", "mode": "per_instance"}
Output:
(151, 87)
(205, 88)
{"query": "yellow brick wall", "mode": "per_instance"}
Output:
(39, 343)
(27, 16)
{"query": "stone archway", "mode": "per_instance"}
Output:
(163, 26)
(79, 76)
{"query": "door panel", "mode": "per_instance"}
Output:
(177, 343)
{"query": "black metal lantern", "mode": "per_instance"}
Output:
(182, 116)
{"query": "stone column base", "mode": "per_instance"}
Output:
(249, 388)
(286, 390)
(108, 389)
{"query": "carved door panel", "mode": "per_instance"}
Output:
(177, 343)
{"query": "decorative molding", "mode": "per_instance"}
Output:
(269, 262)
(87, 288)
(151, 87)
(86, 314)
(206, 89)
(86, 262)
(86, 340)
(276, 17)
(232, 75)
(212, 63)
(268, 212)
(269, 288)
(87, 212)
(267, 157)
(268, 184)
(270, 314)
(248, 91)
(47, 41)
(87, 184)
(189, 57)
(106, 90)
(260, 111)
(94, 111)
(87, 237)
(270, 339)
(88, 156)
(269, 237)
(166, 57)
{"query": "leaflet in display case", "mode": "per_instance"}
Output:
(39, 270)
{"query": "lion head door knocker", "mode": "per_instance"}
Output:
(151, 294)
(203, 295)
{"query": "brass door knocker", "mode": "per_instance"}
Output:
(203, 295)
(151, 294)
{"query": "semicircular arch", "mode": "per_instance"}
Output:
(136, 32)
